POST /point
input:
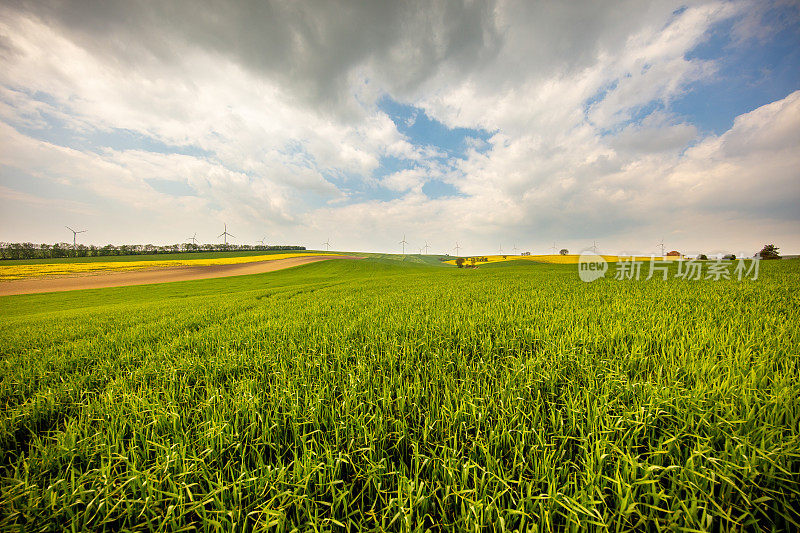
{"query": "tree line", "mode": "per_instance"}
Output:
(28, 250)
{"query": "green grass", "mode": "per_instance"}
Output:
(430, 260)
(379, 394)
(433, 260)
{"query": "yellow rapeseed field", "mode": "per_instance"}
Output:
(570, 259)
(10, 272)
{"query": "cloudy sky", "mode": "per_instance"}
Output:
(485, 123)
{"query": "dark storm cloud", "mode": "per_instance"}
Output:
(310, 48)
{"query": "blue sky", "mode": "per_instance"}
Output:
(421, 130)
(751, 75)
(621, 123)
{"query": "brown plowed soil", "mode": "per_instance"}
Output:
(98, 280)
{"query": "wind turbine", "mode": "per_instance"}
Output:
(457, 247)
(75, 235)
(226, 234)
(328, 244)
(594, 246)
(193, 239)
(554, 248)
(262, 241)
(662, 246)
(403, 242)
(515, 248)
(501, 248)
(426, 247)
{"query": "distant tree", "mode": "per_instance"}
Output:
(769, 251)
(27, 250)
(460, 262)
(59, 251)
(564, 251)
(729, 257)
(702, 257)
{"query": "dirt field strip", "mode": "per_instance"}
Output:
(99, 280)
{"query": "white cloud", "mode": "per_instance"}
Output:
(280, 104)
(697, 199)
(751, 169)
(18, 197)
(656, 133)
(406, 180)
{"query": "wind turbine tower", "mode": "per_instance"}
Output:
(515, 248)
(594, 246)
(426, 247)
(75, 236)
(403, 242)
(193, 239)
(662, 247)
(327, 244)
(457, 248)
(226, 234)
(554, 248)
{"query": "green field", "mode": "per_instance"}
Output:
(380, 394)
(434, 260)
